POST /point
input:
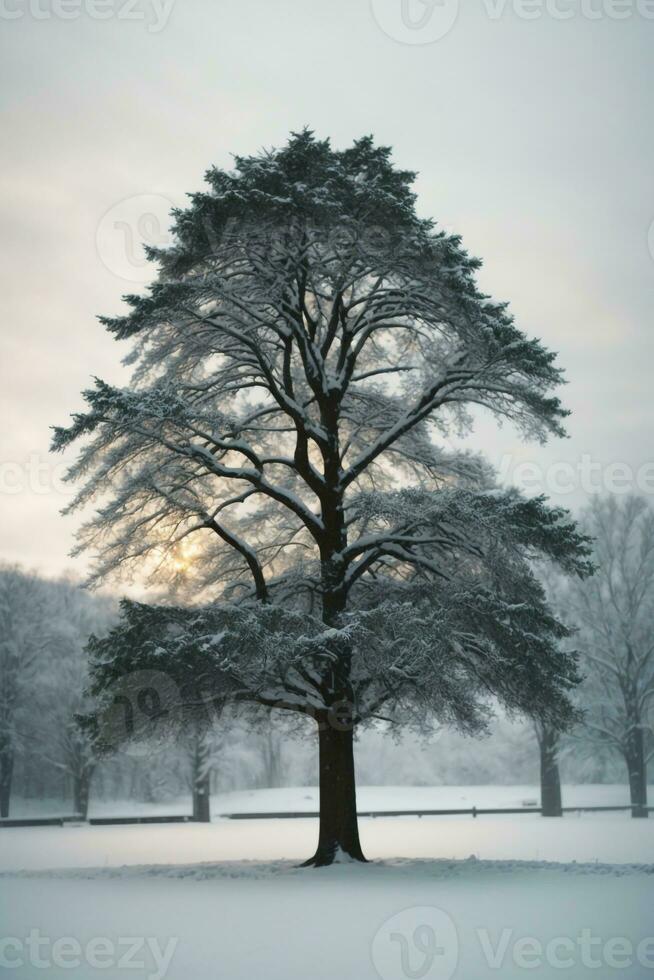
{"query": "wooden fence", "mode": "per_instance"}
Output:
(298, 814)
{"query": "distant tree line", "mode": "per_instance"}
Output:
(44, 628)
(45, 625)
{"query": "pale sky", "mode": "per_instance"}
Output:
(533, 139)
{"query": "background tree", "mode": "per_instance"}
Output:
(272, 742)
(306, 343)
(202, 746)
(22, 638)
(60, 692)
(614, 611)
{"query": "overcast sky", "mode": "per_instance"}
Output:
(533, 139)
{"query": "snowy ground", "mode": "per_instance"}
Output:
(226, 902)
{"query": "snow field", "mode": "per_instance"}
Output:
(501, 897)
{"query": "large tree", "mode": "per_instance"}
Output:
(305, 347)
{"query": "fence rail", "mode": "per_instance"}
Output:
(470, 812)
(109, 821)
(301, 814)
(37, 821)
(92, 821)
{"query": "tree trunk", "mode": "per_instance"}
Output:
(201, 798)
(339, 832)
(550, 781)
(338, 837)
(201, 776)
(81, 790)
(637, 769)
(6, 774)
(271, 758)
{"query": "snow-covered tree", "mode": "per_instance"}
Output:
(60, 692)
(200, 746)
(271, 742)
(44, 628)
(614, 611)
(306, 346)
(22, 640)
